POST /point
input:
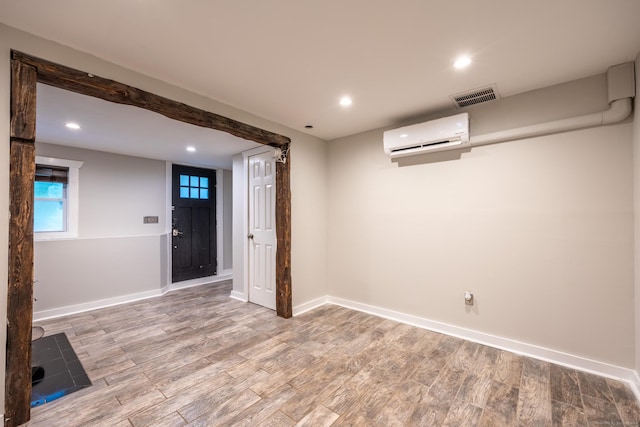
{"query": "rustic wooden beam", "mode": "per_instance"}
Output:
(23, 101)
(88, 84)
(20, 286)
(283, 233)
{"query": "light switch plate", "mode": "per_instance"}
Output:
(150, 220)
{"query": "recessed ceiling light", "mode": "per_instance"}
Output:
(404, 135)
(191, 149)
(462, 62)
(72, 125)
(345, 101)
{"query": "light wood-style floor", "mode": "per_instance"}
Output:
(196, 357)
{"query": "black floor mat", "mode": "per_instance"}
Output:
(63, 372)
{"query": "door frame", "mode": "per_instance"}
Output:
(26, 72)
(223, 273)
(213, 198)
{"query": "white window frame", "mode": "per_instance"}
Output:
(71, 199)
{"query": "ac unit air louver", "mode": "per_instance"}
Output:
(447, 133)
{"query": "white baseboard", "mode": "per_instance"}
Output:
(310, 305)
(240, 296)
(93, 305)
(560, 358)
(200, 281)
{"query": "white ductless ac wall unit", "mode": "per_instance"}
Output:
(436, 135)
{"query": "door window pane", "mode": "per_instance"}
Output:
(194, 187)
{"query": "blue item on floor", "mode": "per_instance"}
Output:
(63, 372)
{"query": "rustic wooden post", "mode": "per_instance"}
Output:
(20, 281)
(283, 233)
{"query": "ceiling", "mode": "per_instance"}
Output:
(290, 61)
(123, 129)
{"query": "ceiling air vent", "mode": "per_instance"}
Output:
(476, 96)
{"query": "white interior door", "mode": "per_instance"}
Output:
(262, 230)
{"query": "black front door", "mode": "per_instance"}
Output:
(193, 223)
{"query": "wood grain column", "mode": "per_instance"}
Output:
(283, 233)
(20, 281)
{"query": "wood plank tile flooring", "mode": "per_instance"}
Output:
(196, 357)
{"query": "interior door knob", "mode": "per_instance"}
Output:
(250, 236)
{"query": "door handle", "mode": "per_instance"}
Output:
(250, 236)
(176, 233)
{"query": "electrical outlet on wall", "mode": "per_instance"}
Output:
(468, 298)
(150, 220)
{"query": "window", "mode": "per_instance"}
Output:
(194, 187)
(50, 199)
(55, 212)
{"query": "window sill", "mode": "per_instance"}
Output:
(44, 237)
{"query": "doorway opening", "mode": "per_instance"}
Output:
(26, 72)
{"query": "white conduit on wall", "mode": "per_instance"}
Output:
(618, 110)
(621, 88)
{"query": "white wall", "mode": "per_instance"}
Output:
(115, 192)
(239, 232)
(307, 240)
(227, 219)
(540, 230)
(116, 254)
(79, 273)
(309, 198)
